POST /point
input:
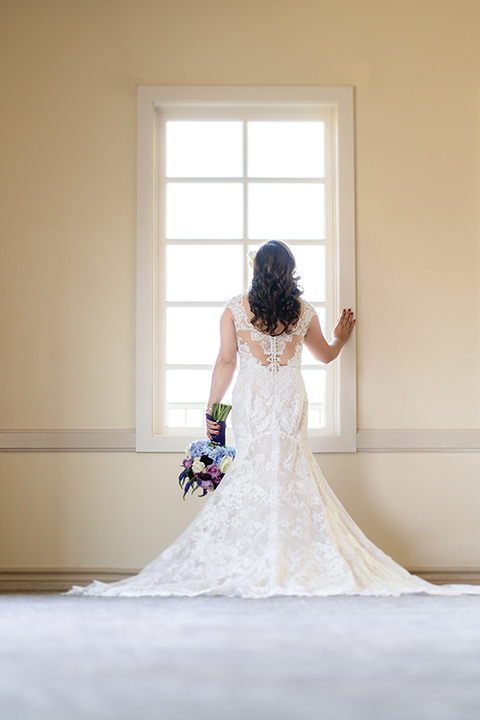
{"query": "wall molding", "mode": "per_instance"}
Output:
(422, 441)
(62, 579)
(67, 440)
(56, 579)
(448, 575)
(372, 441)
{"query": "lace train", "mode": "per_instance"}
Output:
(273, 526)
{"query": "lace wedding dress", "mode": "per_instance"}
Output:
(273, 526)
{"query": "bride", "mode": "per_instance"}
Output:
(273, 526)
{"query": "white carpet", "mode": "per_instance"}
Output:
(367, 658)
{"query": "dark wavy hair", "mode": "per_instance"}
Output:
(274, 292)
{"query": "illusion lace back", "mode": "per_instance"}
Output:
(273, 526)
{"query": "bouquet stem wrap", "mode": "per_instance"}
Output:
(220, 438)
(219, 415)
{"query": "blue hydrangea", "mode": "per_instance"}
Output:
(198, 448)
(216, 452)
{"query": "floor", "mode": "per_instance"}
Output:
(342, 658)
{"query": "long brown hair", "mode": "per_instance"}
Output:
(274, 293)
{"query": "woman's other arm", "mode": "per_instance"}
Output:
(224, 366)
(319, 347)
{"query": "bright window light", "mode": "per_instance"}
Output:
(286, 149)
(204, 149)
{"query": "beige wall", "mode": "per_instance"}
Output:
(69, 73)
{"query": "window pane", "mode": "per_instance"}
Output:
(204, 148)
(188, 386)
(315, 385)
(204, 272)
(193, 335)
(307, 357)
(316, 417)
(176, 417)
(204, 211)
(187, 397)
(286, 211)
(195, 417)
(310, 260)
(286, 149)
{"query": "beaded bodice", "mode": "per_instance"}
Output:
(272, 352)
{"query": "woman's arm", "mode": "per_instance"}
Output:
(319, 347)
(224, 366)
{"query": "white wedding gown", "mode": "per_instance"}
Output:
(273, 526)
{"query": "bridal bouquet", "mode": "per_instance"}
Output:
(204, 466)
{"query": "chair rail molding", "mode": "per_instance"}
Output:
(380, 441)
(422, 441)
(67, 440)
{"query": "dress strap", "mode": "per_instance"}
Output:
(237, 307)
(308, 313)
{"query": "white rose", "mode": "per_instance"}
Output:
(225, 464)
(251, 257)
(188, 454)
(198, 466)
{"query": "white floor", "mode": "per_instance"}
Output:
(410, 658)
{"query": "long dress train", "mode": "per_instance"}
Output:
(273, 526)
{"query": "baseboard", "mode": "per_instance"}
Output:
(448, 576)
(57, 579)
(61, 579)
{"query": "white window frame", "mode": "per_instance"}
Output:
(150, 271)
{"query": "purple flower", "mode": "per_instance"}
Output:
(214, 471)
(187, 463)
(206, 484)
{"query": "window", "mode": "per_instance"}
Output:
(220, 171)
